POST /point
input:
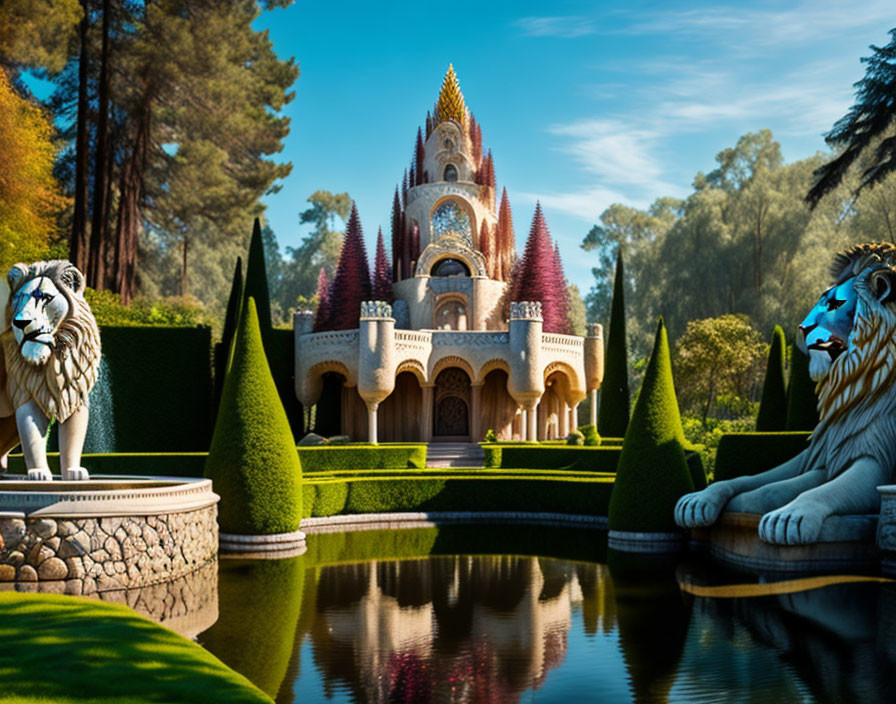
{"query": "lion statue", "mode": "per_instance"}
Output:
(49, 360)
(850, 337)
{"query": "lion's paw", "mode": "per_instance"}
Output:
(702, 508)
(75, 474)
(41, 474)
(793, 524)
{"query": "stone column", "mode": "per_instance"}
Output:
(594, 407)
(564, 420)
(573, 418)
(532, 431)
(476, 430)
(371, 422)
(525, 382)
(594, 364)
(426, 416)
(376, 365)
(524, 425)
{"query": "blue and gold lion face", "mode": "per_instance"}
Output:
(824, 333)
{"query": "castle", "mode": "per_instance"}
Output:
(467, 339)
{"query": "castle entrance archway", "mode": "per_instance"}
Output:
(451, 405)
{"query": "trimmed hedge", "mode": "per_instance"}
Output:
(802, 403)
(613, 412)
(578, 458)
(772, 415)
(349, 457)
(554, 493)
(653, 472)
(253, 460)
(69, 650)
(166, 464)
(161, 381)
(745, 454)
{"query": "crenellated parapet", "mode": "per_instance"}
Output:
(525, 310)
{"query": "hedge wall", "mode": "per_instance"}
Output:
(349, 457)
(578, 458)
(281, 356)
(743, 454)
(161, 385)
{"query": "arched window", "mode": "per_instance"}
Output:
(450, 173)
(450, 267)
(451, 219)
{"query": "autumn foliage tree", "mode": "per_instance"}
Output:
(351, 284)
(30, 197)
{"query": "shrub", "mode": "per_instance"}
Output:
(773, 404)
(745, 454)
(575, 438)
(613, 414)
(652, 473)
(324, 458)
(802, 403)
(490, 436)
(184, 312)
(253, 460)
(570, 457)
(93, 636)
(589, 432)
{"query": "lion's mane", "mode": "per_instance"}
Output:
(857, 397)
(61, 385)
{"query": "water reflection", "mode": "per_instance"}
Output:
(512, 627)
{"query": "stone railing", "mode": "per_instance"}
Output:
(413, 337)
(469, 338)
(336, 337)
(561, 343)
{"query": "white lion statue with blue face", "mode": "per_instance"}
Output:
(49, 360)
(850, 337)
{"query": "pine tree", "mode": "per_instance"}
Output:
(802, 403)
(613, 414)
(382, 276)
(506, 244)
(560, 278)
(772, 414)
(257, 281)
(419, 156)
(535, 279)
(396, 236)
(322, 316)
(351, 284)
(652, 473)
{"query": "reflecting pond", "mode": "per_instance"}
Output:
(469, 615)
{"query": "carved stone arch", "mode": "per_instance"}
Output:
(443, 302)
(452, 360)
(490, 366)
(414, 367)
(572, 378)
(450, 248)
(464, 205)
(322, 368)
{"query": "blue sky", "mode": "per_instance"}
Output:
(583, 103)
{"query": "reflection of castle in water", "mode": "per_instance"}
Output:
(481, 629)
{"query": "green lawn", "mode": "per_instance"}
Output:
(61, 650)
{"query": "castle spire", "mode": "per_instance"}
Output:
(451, 101)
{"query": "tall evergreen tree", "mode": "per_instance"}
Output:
(352, 280)
(476, 141)
(868, 124)
(257, 281)
(802, 402)
(772, 414)
(652, 473)
(382, 275)
(563, 298)
(323, 313)
(613, 415)
(419, 156)
(505, 239)
(535, 280)
(397, 239)
(486, 247)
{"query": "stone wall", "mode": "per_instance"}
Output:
(88, 555)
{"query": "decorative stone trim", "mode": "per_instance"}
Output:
(273, 543)
(594, 330)
(409, 519)
(525, 310)
(376, 310)
(635, 541)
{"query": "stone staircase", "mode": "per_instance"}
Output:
(454, 454)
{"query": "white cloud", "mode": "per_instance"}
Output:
(568, 27)
(586, 204)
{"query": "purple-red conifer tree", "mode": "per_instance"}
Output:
(560, 277)
(382, 275)
(505, 239)
(322, 316)
(396, 234)
(429, 125)
(351, 284)
(535, 280)
(419, 156)
(476, 141)
(487, 249)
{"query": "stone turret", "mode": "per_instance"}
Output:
(376, 361)
(525, 382)
(594, 363)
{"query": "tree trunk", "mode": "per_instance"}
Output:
(78, 242)
(99, 234)
(130, 201)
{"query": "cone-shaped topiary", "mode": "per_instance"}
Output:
(382, 274)
(252, 460)
(351, 283)
(802, 403)
(613, 414)
(773, 404)
(652, 472)
(231, 320)
(257, 281)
